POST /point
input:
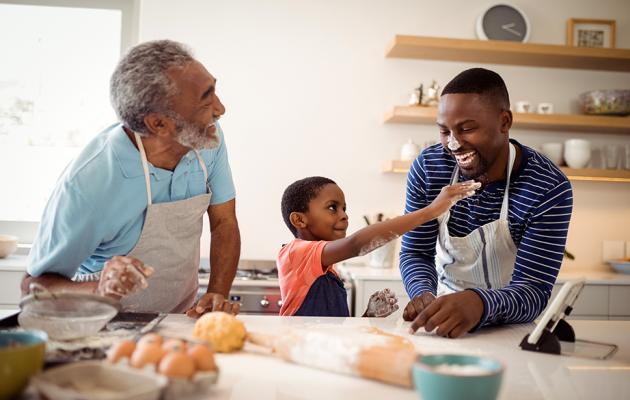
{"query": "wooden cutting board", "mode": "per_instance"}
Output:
(366, 352)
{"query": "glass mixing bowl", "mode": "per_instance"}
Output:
(66, 315)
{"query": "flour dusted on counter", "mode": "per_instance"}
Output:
(335, 348)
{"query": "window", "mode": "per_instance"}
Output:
(57, 58)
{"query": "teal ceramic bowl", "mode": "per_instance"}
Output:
(21, 356)
(455, 377)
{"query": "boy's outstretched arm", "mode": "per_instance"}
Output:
(374, 236)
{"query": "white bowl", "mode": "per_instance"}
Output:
(577, 153)
(553, 151)
(8, 244)
(621, 266)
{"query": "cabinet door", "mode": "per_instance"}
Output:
(619, 303)
(10, 292)
(592, 303)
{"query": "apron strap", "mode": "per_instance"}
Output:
(504, 206)
(202, 164)
(145, 166)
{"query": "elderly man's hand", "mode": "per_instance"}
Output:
(122, 275)
(213, 302)
(416, 305)
(453, 314)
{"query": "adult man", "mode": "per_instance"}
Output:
(497, 253)
(137, 194)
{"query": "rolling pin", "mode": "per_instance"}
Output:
(369, 353)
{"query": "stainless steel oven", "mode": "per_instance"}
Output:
(256, 287)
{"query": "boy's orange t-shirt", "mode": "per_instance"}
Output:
(299, 265)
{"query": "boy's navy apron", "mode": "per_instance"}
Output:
(327, 297)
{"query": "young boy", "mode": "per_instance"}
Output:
(314, 210)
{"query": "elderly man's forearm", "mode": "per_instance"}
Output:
(225, 250)
(56, 282)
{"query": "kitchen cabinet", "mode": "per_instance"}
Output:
(527, 54)
(606, 296)
(10, 289)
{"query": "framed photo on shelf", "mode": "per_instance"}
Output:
(591, 33)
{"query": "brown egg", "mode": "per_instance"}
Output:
(174, 345)
(177, 364)
(203, 357)
(148, 353)
(151, 338)
(121, 349)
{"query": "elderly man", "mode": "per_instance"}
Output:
(494, 257)
(126, 216)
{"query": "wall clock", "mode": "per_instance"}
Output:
(503, 22)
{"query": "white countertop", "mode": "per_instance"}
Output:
(593, 277)
(245, 375)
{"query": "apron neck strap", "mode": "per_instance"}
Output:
(145, 167)
(504, 206)
(510, 165)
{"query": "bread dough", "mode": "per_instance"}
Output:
(222, 330)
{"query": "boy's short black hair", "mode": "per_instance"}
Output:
(297, 196)
(483, 82)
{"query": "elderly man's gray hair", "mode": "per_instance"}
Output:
(140, 85)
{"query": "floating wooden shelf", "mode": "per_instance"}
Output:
(585, 174)
(511, 53)
(556, 122)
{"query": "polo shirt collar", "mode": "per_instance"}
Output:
(128, 156)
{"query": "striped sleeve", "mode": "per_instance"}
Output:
(538, 261)
(417, 254)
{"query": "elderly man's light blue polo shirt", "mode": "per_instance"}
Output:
(98, 206)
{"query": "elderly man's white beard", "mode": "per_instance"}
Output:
(192, 136)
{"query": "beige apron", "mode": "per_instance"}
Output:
(484, 258)
(169, 242)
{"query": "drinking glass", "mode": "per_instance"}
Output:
(611, 156)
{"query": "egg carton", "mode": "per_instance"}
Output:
(178, 388)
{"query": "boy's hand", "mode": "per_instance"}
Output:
(381, 304)
(451, 194)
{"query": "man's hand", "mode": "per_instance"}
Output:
(122, 275)
(381, 304)
(453, 314)
(416, 305)
(213, 302)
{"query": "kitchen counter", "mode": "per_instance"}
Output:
(593, 277)
(528, 375)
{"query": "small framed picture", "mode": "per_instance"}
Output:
(591, 33)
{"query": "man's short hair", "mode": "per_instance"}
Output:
(297, 196)
(140, 84)
(483, 82)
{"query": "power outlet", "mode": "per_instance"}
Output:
(613, 249)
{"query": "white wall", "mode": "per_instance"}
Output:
(306, 85)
